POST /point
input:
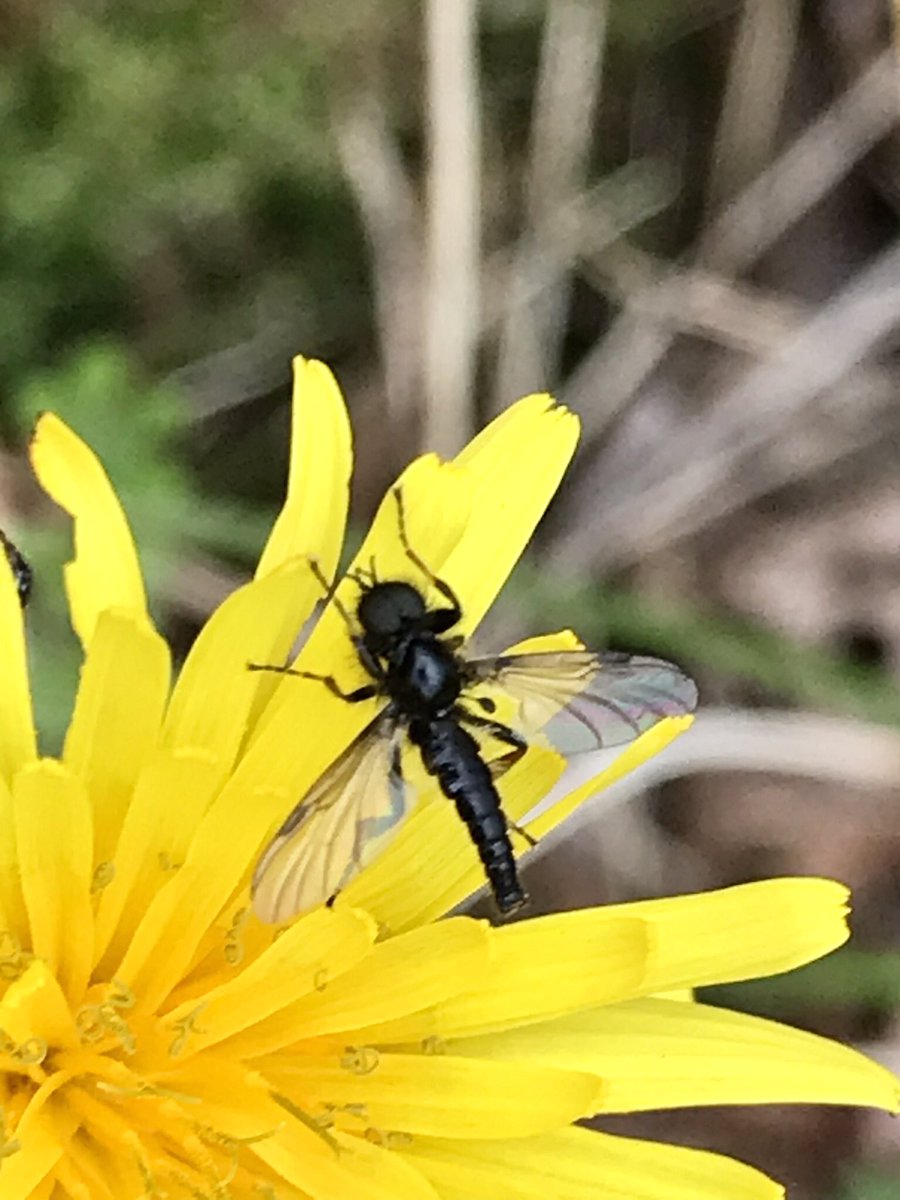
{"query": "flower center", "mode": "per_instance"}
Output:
(109, 1082)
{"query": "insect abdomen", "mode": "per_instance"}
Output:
(452, 756)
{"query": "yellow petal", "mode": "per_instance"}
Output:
(121, 696)
(516, 463)
(35, 1007)
(173, 792)
(360, 1170)
(402, 975)
(79, 1175)
(312, 950)
(539, 968)
(315, 510)
(54, 835)
(439, 1094)
(216, 694)
(578, 1164)
(740, 932)
(324, 1164)
(42, 1138)
(655, 1054)
(17, 741)
(105, 572)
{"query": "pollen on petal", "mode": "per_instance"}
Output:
(327, 942)
(443, 1094)
(35, 1010)
(158, 1039)
(404, 975)
(174, 790)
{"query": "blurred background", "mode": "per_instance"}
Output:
(679, 215)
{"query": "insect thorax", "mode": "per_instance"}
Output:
(426, 679)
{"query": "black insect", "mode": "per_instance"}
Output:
(577, 701)
(20, 568)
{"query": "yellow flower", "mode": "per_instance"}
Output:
(157, 1040)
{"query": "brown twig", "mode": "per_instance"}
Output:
(453, 224)
(387, 205)
(568, 88)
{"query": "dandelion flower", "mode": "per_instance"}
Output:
(157, 1040)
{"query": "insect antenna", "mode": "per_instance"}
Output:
(365, 577)
(330, 592)
(405, 542)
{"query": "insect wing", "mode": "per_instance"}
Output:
(343, 821)
(581, 701)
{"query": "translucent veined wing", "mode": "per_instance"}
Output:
(582, 701)
(345, 819)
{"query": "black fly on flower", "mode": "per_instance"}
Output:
(575, 701)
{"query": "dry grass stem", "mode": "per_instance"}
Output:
(538, 286)
(453, 224)
(387, 205)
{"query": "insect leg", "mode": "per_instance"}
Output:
(523, 833)
(502, 733)
(366, 692)
(500, 766)
(441, 584)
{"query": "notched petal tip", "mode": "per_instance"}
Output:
(105, 572)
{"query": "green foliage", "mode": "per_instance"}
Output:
(849, 979)
(152, 154)
(868, 1184)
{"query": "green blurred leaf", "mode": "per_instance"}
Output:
(869, 1183)
(847, 979)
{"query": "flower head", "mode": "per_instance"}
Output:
(158, 1040)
